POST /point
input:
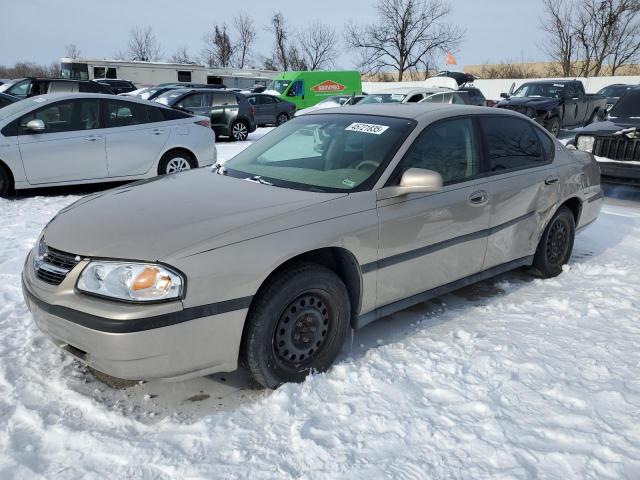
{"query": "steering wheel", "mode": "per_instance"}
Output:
(366, 163)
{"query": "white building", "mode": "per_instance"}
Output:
(153, 73)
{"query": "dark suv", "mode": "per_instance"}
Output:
(31, 87)
(116, 85)
(231, 114)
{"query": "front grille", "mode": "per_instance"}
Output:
(528, 111)
(617, 148)
(55, 266)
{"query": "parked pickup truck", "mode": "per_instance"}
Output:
(555, 104)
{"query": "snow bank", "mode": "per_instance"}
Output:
(513, 378)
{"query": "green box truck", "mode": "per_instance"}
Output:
(305, 89)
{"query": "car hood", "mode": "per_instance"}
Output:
(535, 102)
(609, 127)
(151, 219)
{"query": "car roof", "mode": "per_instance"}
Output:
(415, 111)
(410, 90)
(70, 96)
(557, 80)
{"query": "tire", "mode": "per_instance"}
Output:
(297, 324)
(239, 131)
(553, 126)
(282, 118)
(556, 244)
(175, 161)
(6, 183)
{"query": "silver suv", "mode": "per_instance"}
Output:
(329, 222)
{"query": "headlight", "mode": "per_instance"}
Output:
(41, 249)
(585, 143)
(133, 282)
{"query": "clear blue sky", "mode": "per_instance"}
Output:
(37, 30)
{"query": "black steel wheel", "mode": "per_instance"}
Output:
(297, 324)
(556, 244)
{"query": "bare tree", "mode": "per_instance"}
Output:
(181, 55)
(408, 34)
(318, 43)
(246, 33)
(143, 45)
(30, 69)
(71, 51)
(625, 39)
(218, 50)
(281, 33)
(560, 43)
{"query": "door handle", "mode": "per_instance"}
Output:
(91, 138)
(479, 198)
(551, 180)
(157, 131)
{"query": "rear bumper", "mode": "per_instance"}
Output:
(132, 348)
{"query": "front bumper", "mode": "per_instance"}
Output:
(134, 342)
(620, 170)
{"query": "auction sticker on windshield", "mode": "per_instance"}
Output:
(367, 128)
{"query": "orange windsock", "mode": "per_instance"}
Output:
(451, 60)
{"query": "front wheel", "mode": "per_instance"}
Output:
(6, 185)
(239, 131)
(556, 244)
(297, 324)
(553, 126)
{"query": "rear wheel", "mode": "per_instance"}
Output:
(553, 126)
(282, 118)
(556, 245)
(6, 183)
(239, 131)
(173, 162)
(297, 324)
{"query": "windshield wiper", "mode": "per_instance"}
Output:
(259, 179)
(220, 169)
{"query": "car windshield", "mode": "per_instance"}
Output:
(627, 107)
(613, 91)
(279, 85)
(550, 90)
(168, 97)
(324, 153)
(383, 98)
(17, 107)
(6, 86)
(333, 101)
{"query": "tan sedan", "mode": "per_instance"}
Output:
(329, 222)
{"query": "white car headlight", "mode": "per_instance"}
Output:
(132, 282)
(585, 143)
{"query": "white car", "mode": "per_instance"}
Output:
(411, 95)
(65, 139)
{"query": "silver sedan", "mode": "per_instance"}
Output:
(329, 222)
(64, 139)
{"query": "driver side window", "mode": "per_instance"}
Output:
(447, 147)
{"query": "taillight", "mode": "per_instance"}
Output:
(253, 110)
(205, 123)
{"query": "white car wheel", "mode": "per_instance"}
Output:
(177, 164)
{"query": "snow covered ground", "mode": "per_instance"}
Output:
(511, 378)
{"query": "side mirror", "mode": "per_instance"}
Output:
(414, 180)
(504, 95)
(35, 126)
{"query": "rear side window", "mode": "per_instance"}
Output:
(511, 144)
(266, 100)
(224, 98)
(192, 101)
(91, 87)
(447, 147)
(124, 114)
(169, 114)
(548, 147)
